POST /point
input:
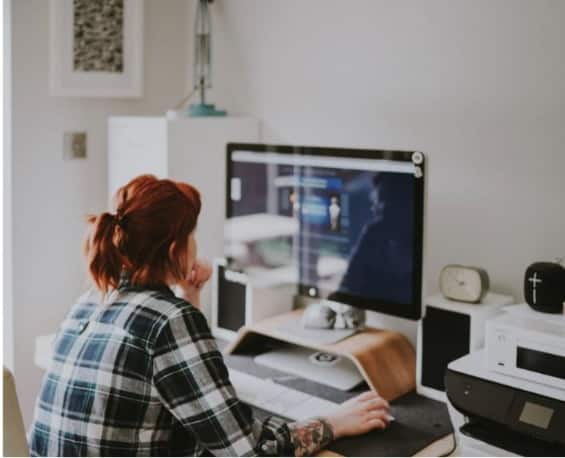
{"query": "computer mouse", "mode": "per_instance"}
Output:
(318, 316)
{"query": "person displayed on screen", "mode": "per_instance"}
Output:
(334, 210)
(380, 264)
(294, 203)
(135, 369)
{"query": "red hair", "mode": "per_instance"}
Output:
(148, 235)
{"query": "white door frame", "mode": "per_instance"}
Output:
(6, 184)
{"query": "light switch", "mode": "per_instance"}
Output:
(74, 145)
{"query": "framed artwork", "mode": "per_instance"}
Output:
(96, 48)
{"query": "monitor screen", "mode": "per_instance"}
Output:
(341, 224)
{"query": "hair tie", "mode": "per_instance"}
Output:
(119, 219)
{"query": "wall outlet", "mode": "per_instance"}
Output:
(74, 145)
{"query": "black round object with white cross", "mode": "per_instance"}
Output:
(544, 287)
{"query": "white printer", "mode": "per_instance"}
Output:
(509, 398)
(527, 344)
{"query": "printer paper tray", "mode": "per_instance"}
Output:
(504, 438)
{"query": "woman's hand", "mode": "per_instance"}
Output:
(201, 273)
(190, 288)
(359, 415)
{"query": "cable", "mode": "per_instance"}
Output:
(179, 105)
(454, 446)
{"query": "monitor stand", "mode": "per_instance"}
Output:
(322, 367)
(385, 359)
(348, 320)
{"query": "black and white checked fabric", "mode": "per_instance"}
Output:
(141, 375)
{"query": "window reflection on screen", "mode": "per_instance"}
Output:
(341, 225)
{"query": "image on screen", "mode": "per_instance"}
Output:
(338, 225)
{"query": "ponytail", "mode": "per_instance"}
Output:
(102, 251)
(147, 238)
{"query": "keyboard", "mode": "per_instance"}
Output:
(285, 402)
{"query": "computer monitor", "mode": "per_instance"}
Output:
(342, 224)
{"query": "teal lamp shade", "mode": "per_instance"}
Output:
(202, 72)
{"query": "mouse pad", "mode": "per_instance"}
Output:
(418, 424)
(419, 421)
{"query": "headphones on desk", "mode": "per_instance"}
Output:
(322, 315)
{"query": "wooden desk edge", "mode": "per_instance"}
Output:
(437, 448)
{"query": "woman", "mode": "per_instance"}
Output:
(136, 370)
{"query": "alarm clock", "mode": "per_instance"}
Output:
(463, 283)
(544, 287)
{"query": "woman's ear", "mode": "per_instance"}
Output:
(176, 262)
(172, 250)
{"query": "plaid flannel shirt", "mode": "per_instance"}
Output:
(142, 375)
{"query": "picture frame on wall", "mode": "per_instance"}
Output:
(96, 48)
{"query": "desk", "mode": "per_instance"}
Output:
(419, 420)
(371, 444)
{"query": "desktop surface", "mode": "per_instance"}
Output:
(418, 423)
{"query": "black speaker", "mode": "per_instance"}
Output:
(544, 287)
(446, 336)
(237, 302)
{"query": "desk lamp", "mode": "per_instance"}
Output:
(203, 62)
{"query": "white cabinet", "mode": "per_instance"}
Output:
(191, 150)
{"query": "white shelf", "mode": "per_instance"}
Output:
(192, 150)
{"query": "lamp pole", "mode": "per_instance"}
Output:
(202, 75)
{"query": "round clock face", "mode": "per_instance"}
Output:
(461, 283)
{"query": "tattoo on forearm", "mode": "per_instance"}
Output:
(310, 436)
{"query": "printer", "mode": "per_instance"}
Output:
(509, 398)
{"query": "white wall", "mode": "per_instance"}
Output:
(478, 85)
(51, 196)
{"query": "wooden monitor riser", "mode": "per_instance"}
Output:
(385, 359)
